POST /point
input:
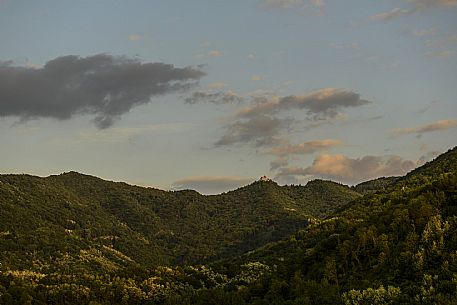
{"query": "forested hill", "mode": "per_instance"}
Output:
(392, 246)
(75, 239)
(88, 223)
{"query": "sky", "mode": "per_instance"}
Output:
(211, 95)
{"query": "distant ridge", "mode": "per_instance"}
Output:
(71, 212)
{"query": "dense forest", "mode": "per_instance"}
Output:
(77, 239)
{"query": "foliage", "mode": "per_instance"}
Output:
(75, 239)
(375, 185)
(76, 222)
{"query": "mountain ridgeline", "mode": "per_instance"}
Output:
(62, 217)
(77, 239)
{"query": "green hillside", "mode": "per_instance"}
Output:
(375, 185)
(397, 246)
(75, 239)
(86, 223)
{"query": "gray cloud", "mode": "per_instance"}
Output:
(259, 130)
(211, 184)
(304, 148)
(227, 97)
(321, 104)
(279, 163)
(102, 85)
(262, 122)
(347, 170)
(432, 127)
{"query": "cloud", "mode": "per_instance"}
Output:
(215, 53)
(205, 44)
(429, 156)
(134, 37)
(227, 97)
(415, 7)
(393, 13)
(251, 56)
(443, 54)
(102, 85)
(265, 119)
(279, 163)
(211, 184)
(260, 130)
(321, 104)
(286, 4)
(116, 134)
(256, 77)
(428, 107)
(432, 127)
(352, 45)
(317, 3)
(451, 38)
(280, 3)
(217, 85)
(426, 32)
(429, 3)
(304, 148)
(284, 151)
(341, 168)
(442, 42)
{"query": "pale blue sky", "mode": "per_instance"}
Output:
(342, 90)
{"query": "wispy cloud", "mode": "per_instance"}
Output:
(118, 134)
(304, 148)
(442, 41)
(414, 7)
(393, 13)
(281, 3)
(430, 3)
(211, 184)
(318, 104)
(432, 127)
(102, 85)
(280, 162)
(134, 37)
(260, 130)
(256, 77)
(428, 107)
(429, 156)
(205, 44)
(227, 97)
(451, 38)
(350, 45)
(424, 32)
(315, 5)
(443, 54)
(215, 53)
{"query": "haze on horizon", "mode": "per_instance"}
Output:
(211, 95)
